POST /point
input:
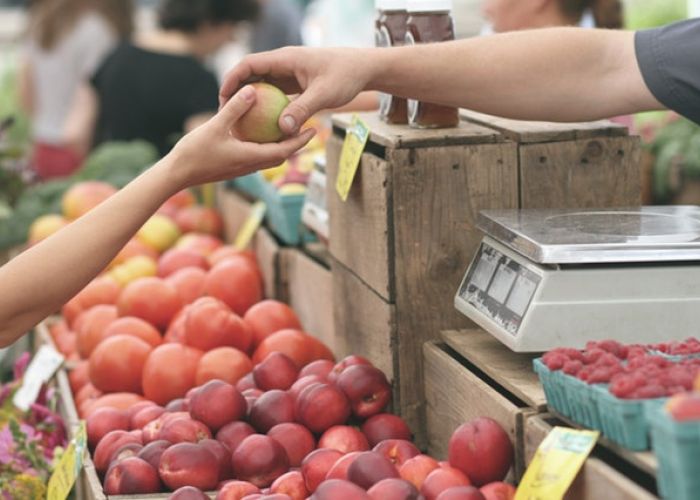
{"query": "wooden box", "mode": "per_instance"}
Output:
(598, 478)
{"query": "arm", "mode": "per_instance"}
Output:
(25, 87)
(37, 282)
(82, 119)
(560, 74)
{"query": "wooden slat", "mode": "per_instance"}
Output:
(438, 193)
(234, 208)
(455, 395)
(596, 480)
(267, 253)
(311, 296)
(507, 368)
(362, 228)
(535, 132)
(365, 324)
(587, 173)
(403, 136)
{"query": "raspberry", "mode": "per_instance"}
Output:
(585, 373)
(592, 356)
(572, 367)
(635, 351)
(608, 359)
(650, 391)
(572, 353)
(601, 375)
(611, 346)
(623, 386)
(554, 360)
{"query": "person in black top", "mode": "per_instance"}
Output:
(157, 88)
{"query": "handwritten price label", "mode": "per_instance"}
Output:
(355, 141)
(68, 468)
(252, 223)
(556, 464)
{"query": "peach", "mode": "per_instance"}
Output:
(461, 493)
(344, 363)
(236, 490)
(498, 491)
(83, 197)
(103, 421)
(321, 368)
(441, 479)
(320, 407)
(367, 389)
(260, 122)
(296, 440)
(126, 451)
(482, 450)
(343, 438)
(369, 468)
(111, 442)
(132, 476)
(179, 405)
(184, 429)
(159, 232)
(188, 493)
(395, 489)
(316, 465)
(152, 452)
(259, 460)
(223, 456)
(246, 382)
(398, 451)
(152, 428)
(45, 226)
(224, 363)
(216, 404)
(340, 468)
(302, 383)
(385, 426)
(276, 371)
(337, 489)
(135, 408)
(176, 259)
(292, 484)
(272, 408)
(189, 464)
(146, 415)
(416, 469)
(233, 434)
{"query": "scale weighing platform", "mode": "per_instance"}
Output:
(558, 278)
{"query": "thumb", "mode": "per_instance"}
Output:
(237, 106)
(300, 110)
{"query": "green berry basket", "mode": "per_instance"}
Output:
(677, 448)
(555, 388)
(252, 184)
(284, 215)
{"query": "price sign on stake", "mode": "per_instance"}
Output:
(251, 224)
(68, 468)
(556, 464)
(355, 141)
(45, 363)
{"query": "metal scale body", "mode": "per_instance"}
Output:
(543, 278)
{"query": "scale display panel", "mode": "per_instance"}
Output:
(500, 288)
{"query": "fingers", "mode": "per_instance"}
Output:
(266, 65)
(301, 109)
(266, 155)
(236, 107)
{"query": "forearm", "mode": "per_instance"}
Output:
(65, 262)
(559, 74)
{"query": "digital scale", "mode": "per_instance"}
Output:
(314, 214)
(550, 278)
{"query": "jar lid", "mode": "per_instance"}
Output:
(429, 5)
(390, 4)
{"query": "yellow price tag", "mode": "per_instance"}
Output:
(68, 468)
(355, 141)
(251, 224)
(556, 464)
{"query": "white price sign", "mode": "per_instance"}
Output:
(45, 363)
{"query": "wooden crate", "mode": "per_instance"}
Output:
(402, 240)
(597, 479)
(572, 165)
(308, 285)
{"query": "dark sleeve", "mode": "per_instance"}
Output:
(203, 95)
(669, 59)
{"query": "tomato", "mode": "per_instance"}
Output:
(176, 259)
(210, 324)
(102, 290)
(136, 327)
(225, 252)
(117, 400)
(116, 365)
(189, 283)
(86, 394)
(198, 219)
(176, 330)
(91, 327)
(176, 202)
(299, 346)
(133, 248)
(79, 376)
(235, 282)
(151, 299)
(169, 372)
(268, 317)
(224, 363)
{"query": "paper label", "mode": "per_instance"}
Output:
(556, 464)
(42, 367)
(355, 141)
(68, 468)
(250, 226)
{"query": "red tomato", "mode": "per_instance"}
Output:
(210, 324)
(268, 317)
(170, 372)
(116, 365)
(235, 282)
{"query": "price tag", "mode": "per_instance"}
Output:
(68, 468)
(556, 464)
(45, 363)
(355, 141)
(252, 223)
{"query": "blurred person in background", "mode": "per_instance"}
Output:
(279, 25)
(157, 87)
(67, 41)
